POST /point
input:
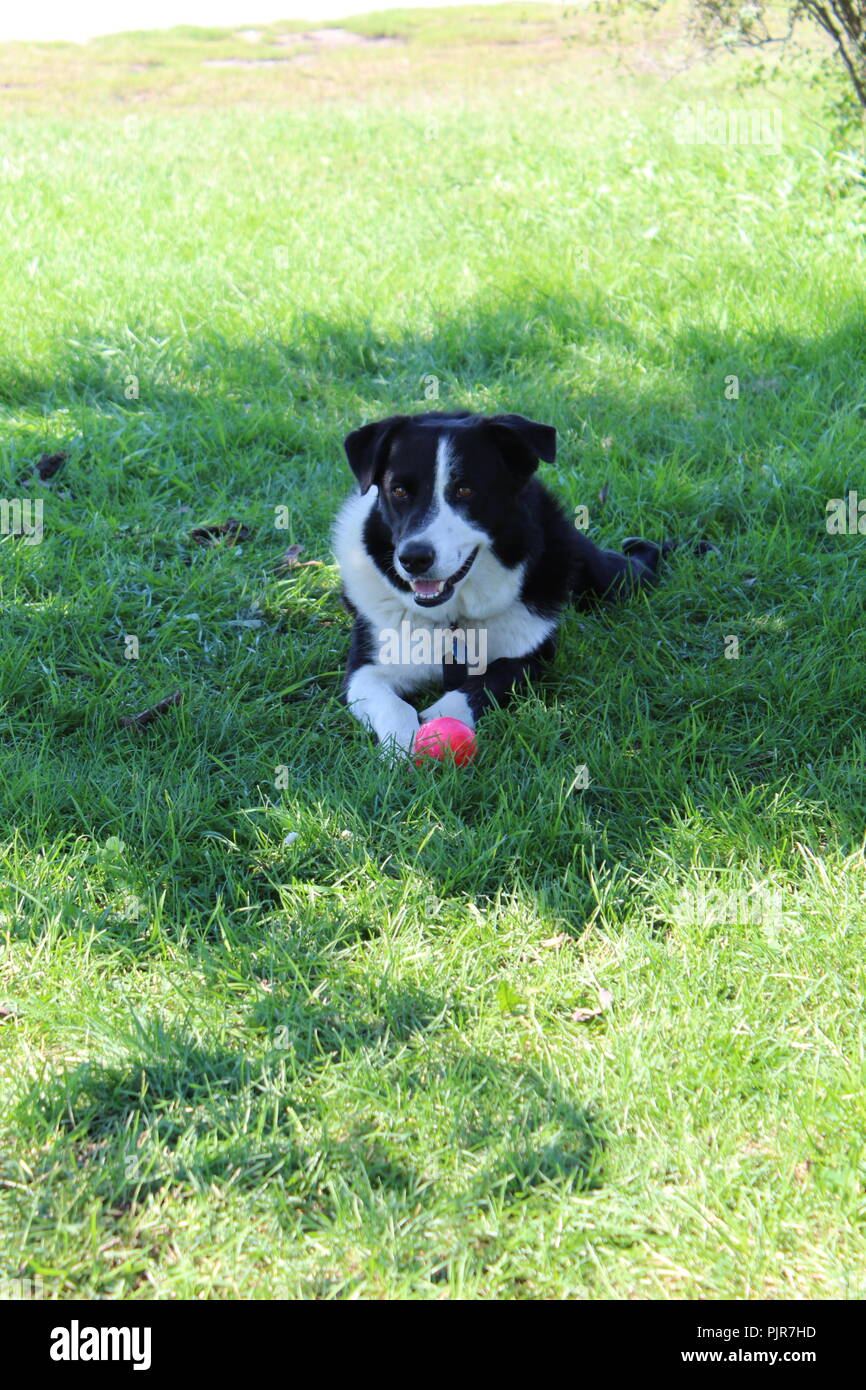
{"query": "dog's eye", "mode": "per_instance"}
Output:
(400, 493)
(465, 491)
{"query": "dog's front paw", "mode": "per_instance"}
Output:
(398, 740)
(454, 705)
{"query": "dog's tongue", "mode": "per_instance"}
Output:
(427, 588)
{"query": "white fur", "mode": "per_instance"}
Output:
(373, 700)
(454, 705)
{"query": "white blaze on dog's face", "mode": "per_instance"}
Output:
(447, 492)
(436, 558)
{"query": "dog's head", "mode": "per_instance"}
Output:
(448, 487)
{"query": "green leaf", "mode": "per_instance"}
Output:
(507, 998)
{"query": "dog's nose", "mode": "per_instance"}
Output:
(416, 557)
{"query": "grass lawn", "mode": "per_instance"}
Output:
(353, 1063)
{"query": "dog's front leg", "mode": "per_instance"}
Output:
(372, 698)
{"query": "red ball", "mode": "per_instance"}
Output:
(445, 737)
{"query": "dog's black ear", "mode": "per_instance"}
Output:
(524, 442)
(367, 449)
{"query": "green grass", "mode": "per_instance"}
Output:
(347, 1065)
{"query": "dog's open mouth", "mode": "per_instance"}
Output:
(430, 592)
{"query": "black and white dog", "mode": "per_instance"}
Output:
(456, 563)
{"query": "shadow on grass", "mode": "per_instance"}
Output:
(179, 1118)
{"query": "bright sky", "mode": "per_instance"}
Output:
(62, 19)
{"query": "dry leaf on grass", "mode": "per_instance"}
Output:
(290, 561)
(289, 558)
(147, 716)
(605, 999)
(48, 464)
(553, 943)
(232, 531)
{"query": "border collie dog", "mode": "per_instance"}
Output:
(456, 564)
